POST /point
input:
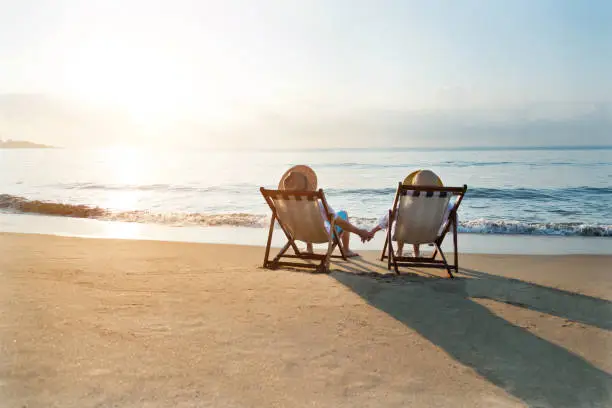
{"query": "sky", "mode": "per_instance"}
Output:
(324, 73)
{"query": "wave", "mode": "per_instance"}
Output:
(17, 204)
(148, 187)
(22, 205)
(502, 227)
(355, 165)
(539, 194)
(483, 226)
(190, 219)
(452, 163)
(473, 193)
(497, 193)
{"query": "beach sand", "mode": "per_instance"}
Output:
(101, 323)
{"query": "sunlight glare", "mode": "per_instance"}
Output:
(154, 87)
(128, 166)
(122, 230)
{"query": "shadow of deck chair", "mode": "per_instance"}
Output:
(421, 215)
(301, 219)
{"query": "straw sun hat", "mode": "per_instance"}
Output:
(311, 176)
(409, 180)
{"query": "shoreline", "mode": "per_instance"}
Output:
(252, 236)
(364, 253)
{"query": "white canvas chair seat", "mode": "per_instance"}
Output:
(420, 218)
(421, 215)
(300, 216)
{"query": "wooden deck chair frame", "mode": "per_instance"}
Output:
(324, 259)
(431, 262)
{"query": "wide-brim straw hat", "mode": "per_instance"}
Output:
(311, 176)
(409, 180)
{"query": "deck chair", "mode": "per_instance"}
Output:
(421, 215)
(300, 218)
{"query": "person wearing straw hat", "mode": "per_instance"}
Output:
(303, 178)
(416, 178)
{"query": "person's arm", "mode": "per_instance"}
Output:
(383, 223)
(347, 226)
(374, 230)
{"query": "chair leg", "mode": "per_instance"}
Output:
(448, 267)
(282, 252)
(382, 254)
(435, 252)
(392, 258)
(324, 266)
(389, 253)
(455, 243)
(291, 240)
(338, 242)
(395, 265)
(334, 248)
(388, 242)
(269, 243)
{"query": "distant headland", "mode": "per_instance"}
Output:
(22, 144)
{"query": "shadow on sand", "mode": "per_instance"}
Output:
(538, 372)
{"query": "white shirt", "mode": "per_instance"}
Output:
(324, 215)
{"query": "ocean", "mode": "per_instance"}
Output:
(524, 191)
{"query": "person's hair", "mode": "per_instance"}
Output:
(295, 181)
(425, 178)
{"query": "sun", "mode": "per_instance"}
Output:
(152, 86)
(162, 86)
(149, 90)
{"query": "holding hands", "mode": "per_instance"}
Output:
(365, 235)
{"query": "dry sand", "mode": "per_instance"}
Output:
(101, 323)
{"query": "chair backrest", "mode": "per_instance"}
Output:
(423, 211)
(299, 212)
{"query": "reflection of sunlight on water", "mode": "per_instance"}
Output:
(122, 200)
(122, 230)
(128, 165)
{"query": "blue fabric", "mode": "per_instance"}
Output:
(344, 216)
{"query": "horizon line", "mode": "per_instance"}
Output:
(317, 149)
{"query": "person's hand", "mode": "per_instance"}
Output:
(364, 235)
(371, 234)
